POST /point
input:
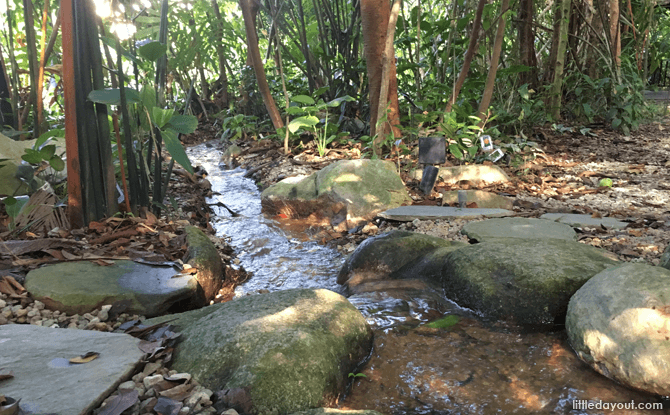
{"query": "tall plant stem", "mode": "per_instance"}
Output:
(119, 147)
(39, 110)
(32, 62)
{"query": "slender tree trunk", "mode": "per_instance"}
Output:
(375, 16)
(39, 110)
(472, 46)
(6, 111)
(493, 69)
(615, 35)
(249, 10)
(223, 77)
(555, 95)
(527, 55)
(33, 63)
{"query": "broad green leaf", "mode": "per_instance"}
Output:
(161, 116)
(48, 151)
(13, 205)
(616, 122)
(153, 51)
(147, 19)
(321, 90)
(306, 121)
(456, 151)
(32, 156)
(112, 96)
(184, 124)
(295, 110)
(303, 99)
(57, 163)
(338, 101)
(55, 133)
(176, 150)
(148, 97)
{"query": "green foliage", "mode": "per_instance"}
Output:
(13, 207)
(238, 126)
(444, 322)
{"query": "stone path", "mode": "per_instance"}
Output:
(578, 220)
(410, 213)
(45, 380)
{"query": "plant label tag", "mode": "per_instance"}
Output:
(486, 142)
(496, 155)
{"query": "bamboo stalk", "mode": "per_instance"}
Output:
(119, 149)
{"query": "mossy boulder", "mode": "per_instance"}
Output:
(290, 350)
(527, 281)
(203, 255)
(397, 255)
(82, 286)
(619, 324)
(347, 192)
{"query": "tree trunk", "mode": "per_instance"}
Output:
(472, 46)
(223, 76)
(249, 10)
(6, 112)
(493, 69)
(39, 110)
(33, 63)
(375, 16)
(526, 34)
(561, 40)
(615, 35)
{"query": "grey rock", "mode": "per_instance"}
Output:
(665, 258)
(619, 324)
(380, 261)
(289, 350)
(44, 379)
(579, 220)
(475, 174)
(410, 213)
(527, 281)
(524, 228)
(83, 286)
(347, 192)
(486, 200)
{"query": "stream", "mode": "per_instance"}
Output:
(473, 367)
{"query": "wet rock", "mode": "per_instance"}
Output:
(524, 228)
(391, 256)
(481, 198)
(527, 281)
(475, 174)
(665, 258)
(46, 382)
(346, 193)
(291, 350)
(619, 324)
(80, 287)
(202, 254)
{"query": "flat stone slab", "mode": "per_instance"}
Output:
(521, 228)
(476, 174)
(577, 220)
(409, 213)
(45, 380)
(486, 200)
(80, 287)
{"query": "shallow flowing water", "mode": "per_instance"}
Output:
(472, 367)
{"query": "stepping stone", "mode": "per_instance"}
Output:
(476, 174)
(82, 286)
(521, 228)
(44, 379)
(409, 213)
(578, 220)
(483, 199)
(619, 324)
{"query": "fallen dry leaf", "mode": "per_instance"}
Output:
(9, 286)
(103, 262)
(6, 374)
(85, 358)
(120, 403)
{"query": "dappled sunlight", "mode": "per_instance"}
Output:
(523, 393)
(347, 178)
(636, 322)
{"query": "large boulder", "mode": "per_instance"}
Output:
(397, 255)
(527, 281)
(474, 174)
(525, 228)
(202, 254)
(44, 379)
(345, 193)
(285, 351)
(82, 286)
(619, 324)
(665, 258)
